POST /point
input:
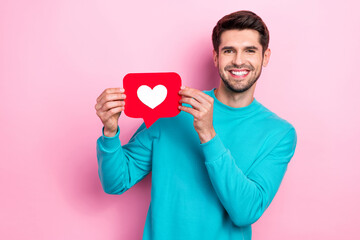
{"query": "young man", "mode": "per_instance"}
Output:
(218, 164)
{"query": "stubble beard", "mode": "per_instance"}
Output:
(232, 87)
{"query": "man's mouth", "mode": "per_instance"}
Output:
(239, 73)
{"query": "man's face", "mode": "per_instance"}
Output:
(240, 59)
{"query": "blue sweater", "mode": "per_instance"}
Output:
(214, 190)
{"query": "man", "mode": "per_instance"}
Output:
(218, 164)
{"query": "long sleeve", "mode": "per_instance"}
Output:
(120, 167)
(246, 196)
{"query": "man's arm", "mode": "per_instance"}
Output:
(246, 197)
(120, 167)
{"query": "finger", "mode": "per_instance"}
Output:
(205, 103)
(112, 97)
(113, 111)
(194, 93)
(112, 104)
(110, 90)
(192, 111)
(193, 102)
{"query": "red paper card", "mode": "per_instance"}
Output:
(152, 95)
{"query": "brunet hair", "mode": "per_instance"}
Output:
(241, 20)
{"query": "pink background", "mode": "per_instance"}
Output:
(56, 57)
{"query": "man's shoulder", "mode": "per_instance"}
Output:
(271, 120)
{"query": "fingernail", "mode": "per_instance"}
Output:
(122, 90)
(182, 87)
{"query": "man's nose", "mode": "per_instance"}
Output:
(238, 59)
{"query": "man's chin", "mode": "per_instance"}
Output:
(236, 89)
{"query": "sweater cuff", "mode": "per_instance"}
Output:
(213, 149)
(110, 142)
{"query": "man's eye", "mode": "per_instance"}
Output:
(251, 51)
(228, 51)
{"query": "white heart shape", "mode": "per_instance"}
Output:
(152, 97)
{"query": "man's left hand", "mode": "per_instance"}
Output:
(202, 110)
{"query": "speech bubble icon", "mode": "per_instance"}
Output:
(152, 95)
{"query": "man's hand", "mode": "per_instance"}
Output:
(109, 106)
(202, 110)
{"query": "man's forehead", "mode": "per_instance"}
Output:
(235, 37)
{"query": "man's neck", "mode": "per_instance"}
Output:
(233, 99)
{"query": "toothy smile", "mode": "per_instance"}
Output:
(240, 73)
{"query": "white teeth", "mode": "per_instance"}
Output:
(239, 73)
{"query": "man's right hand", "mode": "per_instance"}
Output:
(109, 106)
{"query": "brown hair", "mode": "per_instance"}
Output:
(241, 20)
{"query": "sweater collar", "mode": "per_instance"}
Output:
(252, 107)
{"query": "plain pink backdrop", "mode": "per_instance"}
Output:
(56, 57)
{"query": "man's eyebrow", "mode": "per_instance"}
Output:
(251, 48)
(246, 48)
(227, 48)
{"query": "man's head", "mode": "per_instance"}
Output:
(240, 42)
(241, 20)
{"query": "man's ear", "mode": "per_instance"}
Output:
(267, 54)
(215, 58)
